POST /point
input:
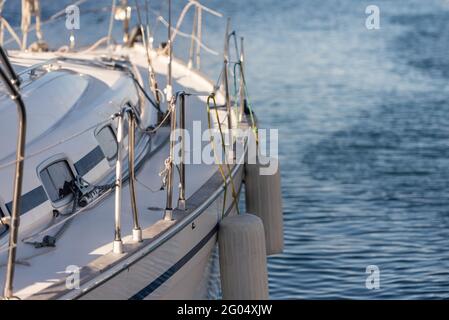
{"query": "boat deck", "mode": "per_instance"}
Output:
(89, 236)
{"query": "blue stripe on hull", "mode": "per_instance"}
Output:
(142, 294)
(37, 196)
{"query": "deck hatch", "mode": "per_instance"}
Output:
(54, 179)
(108, 142)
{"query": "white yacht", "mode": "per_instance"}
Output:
(96, 200)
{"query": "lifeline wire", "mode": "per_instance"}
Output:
(234, 194)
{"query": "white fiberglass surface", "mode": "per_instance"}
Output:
(91, 233)
(46, 104)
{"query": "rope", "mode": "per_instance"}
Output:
(165, 172)
(145, 39)
(47, 240)
(98, 43)
(153, 130)
(249, 104)
(148, 187)
(176, 30)
(236, 47)
(154, 104)
(220, 168)
(217, 83)
(186, 35)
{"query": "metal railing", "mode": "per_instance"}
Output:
(240, 93)
(12, 84)
(168, 215)
(182, 171)
(225, 73)
(127, 113)
(118, 243)
(197, 30)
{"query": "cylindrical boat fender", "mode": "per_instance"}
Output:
(263, 198)
(243, 260)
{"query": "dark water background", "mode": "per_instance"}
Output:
(363, 117)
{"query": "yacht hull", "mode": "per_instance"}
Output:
(181, 267)
(179, 261)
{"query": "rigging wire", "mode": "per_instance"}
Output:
(145, 34)
(54, 17)
(211, 97)
(249, 105)
(111, 25)
(153, 130)
(220, 168)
